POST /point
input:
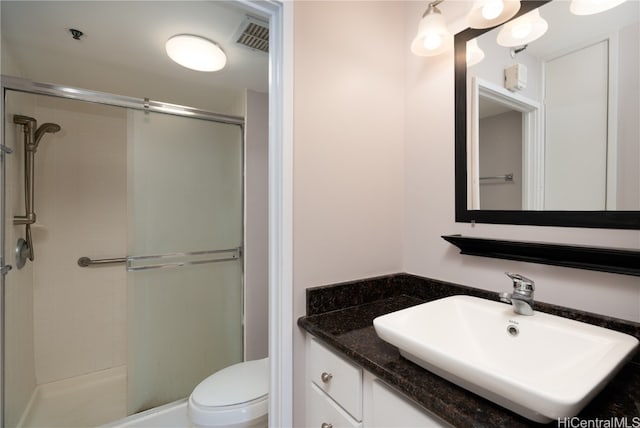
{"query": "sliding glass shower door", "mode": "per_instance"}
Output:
(135, 293)
(184, 254)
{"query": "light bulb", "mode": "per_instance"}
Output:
(474, 53)
(490, 13)
(521, 30)
(432, 41)
(433, 37)
(492, 9)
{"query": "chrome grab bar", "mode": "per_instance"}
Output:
(136, 263)
(86, 261)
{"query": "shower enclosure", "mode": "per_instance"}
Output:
(136, 292)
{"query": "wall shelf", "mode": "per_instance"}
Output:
(613, 260)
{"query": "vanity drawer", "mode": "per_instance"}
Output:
(323, 412)
(337, 377)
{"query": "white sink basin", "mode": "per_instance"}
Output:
(542, 367)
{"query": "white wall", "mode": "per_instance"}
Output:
(374, 169)
(348, 149)
(80, 202)
(19, 369)
(256, 245)
(429, 209)
(500, 58)
(18, 361)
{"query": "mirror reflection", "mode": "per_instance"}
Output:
(553, 123)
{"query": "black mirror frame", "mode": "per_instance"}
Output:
(591, 219)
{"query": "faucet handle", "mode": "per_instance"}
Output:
(521, 283)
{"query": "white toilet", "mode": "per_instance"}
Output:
(234, 397)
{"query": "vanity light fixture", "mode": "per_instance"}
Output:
(523, 30)
(489, 13)
(195, 52)
(590, 7)
(474, 53)
(433, 37)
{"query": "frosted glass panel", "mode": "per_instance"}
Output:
(186, 178)
(185, 190)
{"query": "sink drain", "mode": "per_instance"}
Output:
(513, 330)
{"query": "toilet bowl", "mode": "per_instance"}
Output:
(234, 397)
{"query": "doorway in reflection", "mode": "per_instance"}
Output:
(501, 160)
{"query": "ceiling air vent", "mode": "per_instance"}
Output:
(253, 34)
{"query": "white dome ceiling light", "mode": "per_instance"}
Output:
(196, 53)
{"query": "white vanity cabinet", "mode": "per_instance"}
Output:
(334, 389)
(342, 394)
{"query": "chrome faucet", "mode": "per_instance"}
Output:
(522, 296)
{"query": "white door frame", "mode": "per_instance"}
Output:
(280, 15)
(532, 143)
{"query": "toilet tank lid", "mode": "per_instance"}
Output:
(236, 384)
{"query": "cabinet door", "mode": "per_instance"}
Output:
(323, 412)
(337, 377)
(390, 410)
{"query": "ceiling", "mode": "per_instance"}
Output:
(122, 50)
(566, 30)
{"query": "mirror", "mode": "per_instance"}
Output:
(560, 146)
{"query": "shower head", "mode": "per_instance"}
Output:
(44, 128)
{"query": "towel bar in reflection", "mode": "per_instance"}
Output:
(505, 177)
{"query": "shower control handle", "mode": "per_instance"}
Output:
(326, 377)
(326, 425)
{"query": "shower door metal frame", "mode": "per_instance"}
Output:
(145, 104)
(19, 84)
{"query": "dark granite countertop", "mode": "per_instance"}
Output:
(342, 316)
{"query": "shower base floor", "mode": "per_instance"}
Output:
(172, 415)
(82, 401)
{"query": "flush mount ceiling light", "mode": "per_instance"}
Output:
(523, 30)
(433, 37)
(195, 52)
(474, 53)
(489, 13)
(590, 7)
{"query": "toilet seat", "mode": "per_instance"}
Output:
(235, 395)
